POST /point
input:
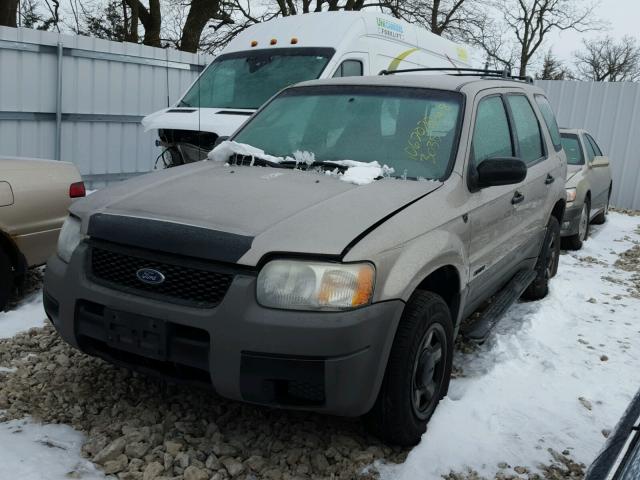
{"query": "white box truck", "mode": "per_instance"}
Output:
(270, 56)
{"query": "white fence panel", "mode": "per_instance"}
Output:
(611, 112)
(81, 99)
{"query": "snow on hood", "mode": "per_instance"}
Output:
(357, 173)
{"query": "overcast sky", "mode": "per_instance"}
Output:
(623, 17)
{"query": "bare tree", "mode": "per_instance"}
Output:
(8, 12)
(553, 69)
(525, 25)
(452, 18)
(151, 19)
(604, 60)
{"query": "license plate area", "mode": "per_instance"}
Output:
(137, 334)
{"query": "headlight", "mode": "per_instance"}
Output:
(298, 285)
(571, 194)
(69, 238)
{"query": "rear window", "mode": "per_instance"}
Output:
(549, 120)
(572, 148)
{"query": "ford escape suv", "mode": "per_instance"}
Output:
(324, 257)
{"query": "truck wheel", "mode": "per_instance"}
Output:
(574, 242)
(418, 371)
(6, 279)
(602, 216)
(547, 265)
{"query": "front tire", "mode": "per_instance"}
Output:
(574, 242)
(547, 264)
(6, 279)
(418, 371)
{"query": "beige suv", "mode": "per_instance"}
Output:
(324, 257)
(34, 198)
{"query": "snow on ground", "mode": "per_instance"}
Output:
(29, 314)
(31, 451)
(554, 374)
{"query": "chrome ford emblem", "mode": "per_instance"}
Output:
(150, 276)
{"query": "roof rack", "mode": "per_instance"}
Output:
(465, 72)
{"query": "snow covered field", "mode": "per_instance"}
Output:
(554, 374)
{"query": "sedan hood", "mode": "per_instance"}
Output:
(266, 209)
(573, 170)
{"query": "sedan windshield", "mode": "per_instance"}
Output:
(248, 79)
(572, 148)
(414, 131)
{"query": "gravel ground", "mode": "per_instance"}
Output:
(141, 429)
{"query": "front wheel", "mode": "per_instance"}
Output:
(418, 371)
(547, 264)
(574, 242)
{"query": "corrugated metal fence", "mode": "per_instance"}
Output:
(611, 112)
(81, 99)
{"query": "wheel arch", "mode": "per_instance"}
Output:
(16, 257)
(445, 281)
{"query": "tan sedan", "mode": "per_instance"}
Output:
(588, 186)
(34, 197)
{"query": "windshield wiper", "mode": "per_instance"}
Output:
(317, 163)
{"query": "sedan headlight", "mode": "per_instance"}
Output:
(69, 238)
(571, 194)
(298, 285)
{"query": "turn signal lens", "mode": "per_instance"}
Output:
(254, 43)
(294, 41)
(571, 194)
(273, 41)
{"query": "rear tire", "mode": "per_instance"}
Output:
(547, 265)
(574, 242)
(418, 371)
(6, 279)
(602, 216)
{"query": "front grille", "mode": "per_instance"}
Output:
(183, 284)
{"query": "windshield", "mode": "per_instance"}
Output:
(248, 79)
(413, 131)
(572, 148)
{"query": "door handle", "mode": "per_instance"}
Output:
(517, 198)
(549, 180)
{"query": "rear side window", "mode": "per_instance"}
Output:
(349, 68)
(572, 149)
(549, 120)
(527, 129)
(591, 153)
(491, 134)
(595, 146)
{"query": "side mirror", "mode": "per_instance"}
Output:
(220, 139)
(600, 161)
(493, 172)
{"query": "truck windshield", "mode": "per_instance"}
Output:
(414, 131)
(248, 79)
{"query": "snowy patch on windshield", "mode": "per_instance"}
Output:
(358, 173)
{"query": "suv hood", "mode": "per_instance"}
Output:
(266, 209)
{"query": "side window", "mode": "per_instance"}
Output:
(491, 134)
(549, 120)
(591, 153)
(349, 68)
(527, 128)
(595, 146)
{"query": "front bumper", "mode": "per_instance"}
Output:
(330, 362)
(570, 220)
